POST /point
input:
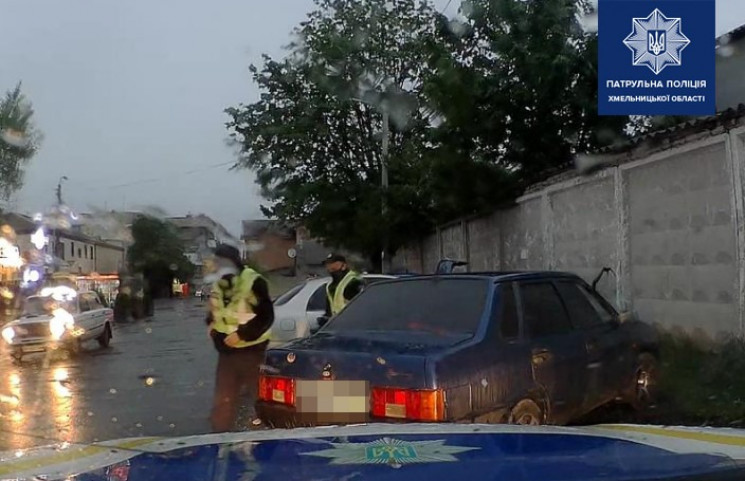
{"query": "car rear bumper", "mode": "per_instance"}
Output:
(281, 416)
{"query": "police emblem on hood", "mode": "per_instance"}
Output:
(393, 452)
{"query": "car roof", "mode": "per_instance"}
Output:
(503, 275)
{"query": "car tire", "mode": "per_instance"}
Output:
(104, 340)
(643, 391)
(526, 412)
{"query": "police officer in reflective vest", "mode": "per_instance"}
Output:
(345, 284)
(240, 321)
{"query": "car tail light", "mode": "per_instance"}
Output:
(414, 404)
(277, 389)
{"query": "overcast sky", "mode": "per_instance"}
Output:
(130, 96)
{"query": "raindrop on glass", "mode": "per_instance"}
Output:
(114, 419)
(148, 330)
(589, 22)
(467, 8)
(159, 418)
(725, 50)
(149, 381)
(139, 425)
(171, 425)
(457, 27)
(112, 390)
(90, 413)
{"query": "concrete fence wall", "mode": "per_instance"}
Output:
(668, 220)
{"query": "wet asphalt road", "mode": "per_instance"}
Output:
(155, 379)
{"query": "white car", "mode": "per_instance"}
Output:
(59, 317)
(296, 312)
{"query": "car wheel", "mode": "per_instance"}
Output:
(526, 412)
(643, 392)
(104, 340)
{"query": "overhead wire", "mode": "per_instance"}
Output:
(162, 178)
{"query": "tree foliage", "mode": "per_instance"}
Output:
(19, 140)
(478, 108)
(314, 138)
(517, 84)
(157, 252)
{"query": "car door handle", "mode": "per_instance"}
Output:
(541, 355)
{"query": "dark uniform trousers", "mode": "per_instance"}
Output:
(237, 378)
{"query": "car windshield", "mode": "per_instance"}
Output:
(42, 306)
(443, 306)
(285, 298)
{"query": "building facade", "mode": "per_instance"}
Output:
(200, 235)
(270, 244)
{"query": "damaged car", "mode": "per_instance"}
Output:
(505, 347)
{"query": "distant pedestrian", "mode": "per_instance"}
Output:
(240, 320)
(344, 286)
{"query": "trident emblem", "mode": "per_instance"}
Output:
(656, 42)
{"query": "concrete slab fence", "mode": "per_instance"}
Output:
(668, 218)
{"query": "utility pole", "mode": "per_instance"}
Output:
(384, 263)
(57, 252)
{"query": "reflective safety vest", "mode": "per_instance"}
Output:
(337, 301)
(227, 318)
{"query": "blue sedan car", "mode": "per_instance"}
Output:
(521, 347)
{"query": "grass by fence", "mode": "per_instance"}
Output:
(701, 383)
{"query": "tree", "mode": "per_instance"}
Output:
(19, 140)
(518, 85)
(314, 137)
(479, 109)
(158, 253)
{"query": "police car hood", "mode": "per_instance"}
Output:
(399, 452)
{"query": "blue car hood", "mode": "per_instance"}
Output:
(400, 452)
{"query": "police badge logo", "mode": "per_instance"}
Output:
(392, 452)
(656, 42)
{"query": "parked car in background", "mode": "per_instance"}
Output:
(59, 317)
(296, 312)
(523, 348)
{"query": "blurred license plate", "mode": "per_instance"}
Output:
(332, 396)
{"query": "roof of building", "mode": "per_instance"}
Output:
(24, 225)
(732, 36)
(253, 229)
(201, 220)
(21, 224)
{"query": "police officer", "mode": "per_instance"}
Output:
(240, 321)
(345, 284)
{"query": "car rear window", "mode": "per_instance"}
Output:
(285, 298)
(441, 306)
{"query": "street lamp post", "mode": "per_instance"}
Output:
(57, 252)
(384, 264)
